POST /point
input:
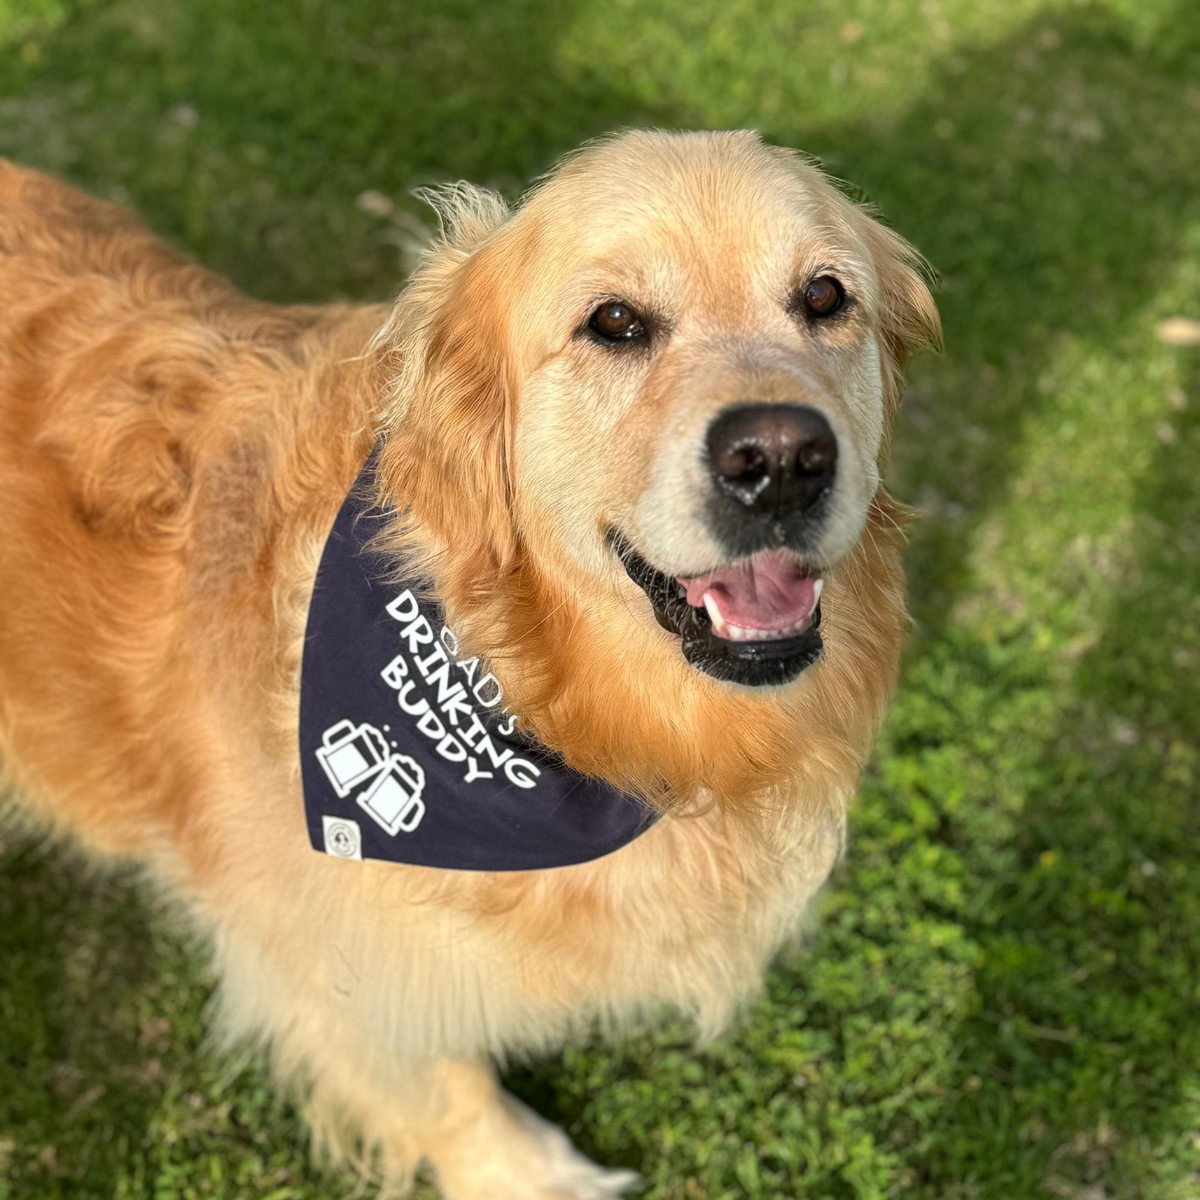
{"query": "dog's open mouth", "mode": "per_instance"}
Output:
(753, 622)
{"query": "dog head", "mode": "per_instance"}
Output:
(650, 409)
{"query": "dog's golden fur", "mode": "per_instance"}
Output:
(173, 455)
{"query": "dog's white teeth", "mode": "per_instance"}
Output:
(743, 633)
(818, 588)
(714, 615)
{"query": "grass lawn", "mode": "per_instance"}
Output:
(1002, 999)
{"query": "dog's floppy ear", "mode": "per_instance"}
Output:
(908, 317)
(448, 423)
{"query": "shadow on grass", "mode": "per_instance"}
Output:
(245, 133)
(1039, 177)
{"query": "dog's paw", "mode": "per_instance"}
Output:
(573, 1174)
(531, 1160)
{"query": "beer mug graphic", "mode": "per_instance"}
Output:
(394, 797)
(350, 753)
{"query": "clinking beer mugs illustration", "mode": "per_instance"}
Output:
(351, 754)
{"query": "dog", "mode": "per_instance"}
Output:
(617, 453)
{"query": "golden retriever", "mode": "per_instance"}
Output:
(631, 434)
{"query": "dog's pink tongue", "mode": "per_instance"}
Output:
(769, 591)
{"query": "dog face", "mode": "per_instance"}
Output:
(693, 344)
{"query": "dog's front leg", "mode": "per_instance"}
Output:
(484, 1143)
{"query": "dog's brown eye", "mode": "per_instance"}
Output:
(823, 296)
(617, 321)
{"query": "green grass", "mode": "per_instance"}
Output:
(1003, 998)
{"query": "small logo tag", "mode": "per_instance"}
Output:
(343, 838)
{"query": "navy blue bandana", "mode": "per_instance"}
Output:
(407, 751)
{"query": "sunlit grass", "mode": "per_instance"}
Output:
(1003, 998)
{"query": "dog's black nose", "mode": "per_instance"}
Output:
(773, 459)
